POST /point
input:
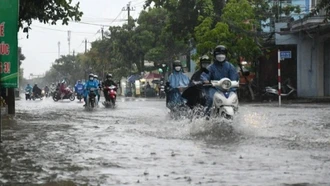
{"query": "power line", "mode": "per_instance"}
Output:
(59, 30)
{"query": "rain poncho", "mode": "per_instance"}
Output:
(178, 79)
(28, 89)
(90, 84)
(218, 71)
(79, 88)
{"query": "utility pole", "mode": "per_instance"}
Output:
(59, 49)
(69, 39)
(85, 46)
(128, 8)
(102, 32)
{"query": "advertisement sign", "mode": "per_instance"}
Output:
(9, 73)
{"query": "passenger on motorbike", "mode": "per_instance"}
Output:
(176, 82)
(52, 88)
(196, 94)
(79, 87)
(88, 85)
(221, 68)
(96, 79)
(107, 83)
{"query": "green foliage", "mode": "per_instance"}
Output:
(323, 5)
(47, 11)
(236, 31)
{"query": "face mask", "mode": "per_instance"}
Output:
(91, 78)
(178, 68)
(205, 65)
(220, 57)
(108, 78)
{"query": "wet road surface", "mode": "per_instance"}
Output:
(137, 144)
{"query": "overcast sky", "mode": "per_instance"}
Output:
(41, 48)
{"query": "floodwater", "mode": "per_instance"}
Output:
(138, 144)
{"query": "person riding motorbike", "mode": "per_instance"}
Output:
(96, 79)
(52, 88)
(46, 89)
(107, 83)
(88, 85)
(28, 89)
(63, 89)
(176, 81)
(36, 91)
(195, 94)
(79, 87)
(221, 68)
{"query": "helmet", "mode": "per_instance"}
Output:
(220, 49)
(204, 61)
(95, 76)
(90, 76)
(109, 76)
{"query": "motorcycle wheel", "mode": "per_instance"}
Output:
(72, 97)
(55, 98)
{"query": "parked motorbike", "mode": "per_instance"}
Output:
(271, 92)
(112, 95)
(225, 101)
(69, 95)
(91, 99)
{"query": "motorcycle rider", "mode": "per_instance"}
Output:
(78, 86)
(63, 90)
(96, 79)
(88, 85)
(221, 68)
(28, 89)
(176, 81)
(52, 88)
(107, 83)
(36, 91)
(46, 89)
(196, 94)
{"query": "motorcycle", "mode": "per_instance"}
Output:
(271, 92)
(80, 93)
(91, 99)
(176, 103)
(225, 101)
(27, 95)
(112, 94)
(162, 92)
(69, 95)
(36, 96)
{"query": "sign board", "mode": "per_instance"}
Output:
(9, 73)
(285, 54)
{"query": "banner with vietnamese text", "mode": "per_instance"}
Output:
(9, 73)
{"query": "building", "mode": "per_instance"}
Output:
(309, 38)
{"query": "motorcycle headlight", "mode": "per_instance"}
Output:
(226, 85)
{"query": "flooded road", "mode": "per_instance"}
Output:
(137, 144)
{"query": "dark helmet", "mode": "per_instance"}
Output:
(204, 60)
(177, 63)
(109, 76)
(220, 49)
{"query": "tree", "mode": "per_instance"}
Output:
(236, 31)
(47, 11)
(323, 5)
